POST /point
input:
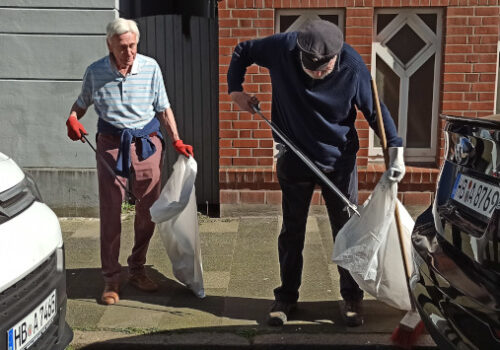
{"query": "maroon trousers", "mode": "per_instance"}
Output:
(146, 186)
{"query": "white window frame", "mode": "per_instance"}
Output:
(307, 15)
(432, 46)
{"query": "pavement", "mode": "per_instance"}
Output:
(240, 263)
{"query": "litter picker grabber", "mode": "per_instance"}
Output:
(307, 161)
(111, 171)
(411, 324)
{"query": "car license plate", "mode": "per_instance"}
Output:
(33, 325)
(475, 194)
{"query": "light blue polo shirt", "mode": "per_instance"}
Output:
(130, 101)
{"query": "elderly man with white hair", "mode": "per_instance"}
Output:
(128, 94)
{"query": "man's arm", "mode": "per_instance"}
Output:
(167, 119)
(259, 51)
(77, 111)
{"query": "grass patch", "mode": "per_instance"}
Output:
(247, 333)
(127, 330)
(127, 208)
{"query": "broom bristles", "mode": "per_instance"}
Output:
(406, 338)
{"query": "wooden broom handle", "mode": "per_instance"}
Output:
(383, 138)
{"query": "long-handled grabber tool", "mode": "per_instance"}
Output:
(111, 171)
(307, 161)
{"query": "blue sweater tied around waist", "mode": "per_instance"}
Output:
(146, 145)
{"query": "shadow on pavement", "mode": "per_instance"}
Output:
(314, 325)
(87, 283)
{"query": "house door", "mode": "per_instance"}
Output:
(186, 49)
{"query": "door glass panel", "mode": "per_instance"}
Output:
(405, 44)
(420, 106)
(430, 19)
(383, 20)
(388, 91)
(330, 18)
(286, 21)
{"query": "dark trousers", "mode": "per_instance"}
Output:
(297, 183)
(146, 187)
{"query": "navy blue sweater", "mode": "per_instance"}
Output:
(317, 115)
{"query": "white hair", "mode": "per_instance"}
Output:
(120, 26)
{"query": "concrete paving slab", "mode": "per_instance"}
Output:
(218, 243)
(159, 340)
(85, 313)
(70, 225)
(313, 238)
(256, 287)
(216, 226)
(188, 318)
(219, 292)
(312, 225)
(217, 262)
(91, 229)
(216, 279)
(129, 315)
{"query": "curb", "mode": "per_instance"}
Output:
(97, 340)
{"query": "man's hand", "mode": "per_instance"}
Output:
(75, 128)
(396, 170)
(183, 149)
(244, 101)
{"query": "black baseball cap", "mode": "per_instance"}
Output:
(319, 41)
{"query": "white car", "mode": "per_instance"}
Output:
(32, 272)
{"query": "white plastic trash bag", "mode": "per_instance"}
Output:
(176, 215)
(368, 246)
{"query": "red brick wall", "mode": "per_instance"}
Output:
(467, 87)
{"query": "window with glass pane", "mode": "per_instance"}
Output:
(388, 90)
(420, 106)
(406, 62)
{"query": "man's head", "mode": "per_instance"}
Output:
(319, 43)
(122, 36)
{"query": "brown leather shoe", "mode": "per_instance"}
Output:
(143, 282)
(110, 295)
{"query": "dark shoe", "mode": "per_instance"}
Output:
(110, 295)
(279, 313)
(352, 312)
(143, 282)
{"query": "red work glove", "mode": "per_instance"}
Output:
(75, 128)
(183, 149)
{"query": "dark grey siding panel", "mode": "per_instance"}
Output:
(43, 21)
(189, 63)
(92, 4)
(61, 57)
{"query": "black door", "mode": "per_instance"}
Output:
(186, 48)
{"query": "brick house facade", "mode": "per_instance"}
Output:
(458, 38)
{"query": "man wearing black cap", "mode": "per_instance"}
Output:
(318, 84)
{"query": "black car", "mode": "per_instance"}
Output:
(456, 278)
